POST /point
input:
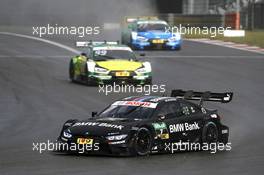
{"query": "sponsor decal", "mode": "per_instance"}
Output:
(180, 127)
(84, 141)
(213, 115)
(107, 125)
(161, 125)
(225, 131)
(164, 136)
(161, 130)
(135, 103)
(117, 142)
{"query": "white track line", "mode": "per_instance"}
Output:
(203, 56)
(154, 56)
(227, 44)
(232, 45)
(42, 40)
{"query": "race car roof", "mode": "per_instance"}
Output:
(111, 47)
(95, 44)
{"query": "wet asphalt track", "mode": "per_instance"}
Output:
(36, 98)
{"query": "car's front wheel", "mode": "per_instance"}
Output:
(71, 71)
(143, 142)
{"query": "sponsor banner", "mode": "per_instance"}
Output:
(135, 103)
(107, 125)
(183, 127)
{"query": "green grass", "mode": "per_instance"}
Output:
(253, 38)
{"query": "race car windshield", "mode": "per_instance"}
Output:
(144, 27)
(130, 112)
(103, 55)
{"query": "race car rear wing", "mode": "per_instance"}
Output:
(203, 96)
(88, 43)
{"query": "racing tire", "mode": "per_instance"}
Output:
(143, 142)
(71, 71)
(210, 133)
(178, 48)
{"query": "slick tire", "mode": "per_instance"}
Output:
(178, 48)
(210, 133)
(142, 142)
(71, 71)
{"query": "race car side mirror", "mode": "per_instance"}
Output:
(84, 54)
(94, 114)
(130, 26)
(161, 117)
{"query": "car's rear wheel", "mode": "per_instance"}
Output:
(143, 142)
(210, 133)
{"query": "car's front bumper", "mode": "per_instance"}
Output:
(149, 44)
(110, 79)
(104, 147)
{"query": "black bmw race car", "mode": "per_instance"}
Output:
(147, 124)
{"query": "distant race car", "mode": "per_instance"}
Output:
(143, 125)
(146, 33)
(108, 62)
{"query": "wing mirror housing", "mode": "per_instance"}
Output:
(161, 117)
(94, 114)
(84, 54)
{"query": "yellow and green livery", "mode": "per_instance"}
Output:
(108, 62)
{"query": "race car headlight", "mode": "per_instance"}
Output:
(116, 137)
(142, 39)
(141, 70)
(90, 66)
(67, 134)
(145, 69)
(100, 70)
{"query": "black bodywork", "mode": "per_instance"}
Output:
(171, 120)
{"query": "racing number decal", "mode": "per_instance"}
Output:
(161, 130)
(100, 52)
